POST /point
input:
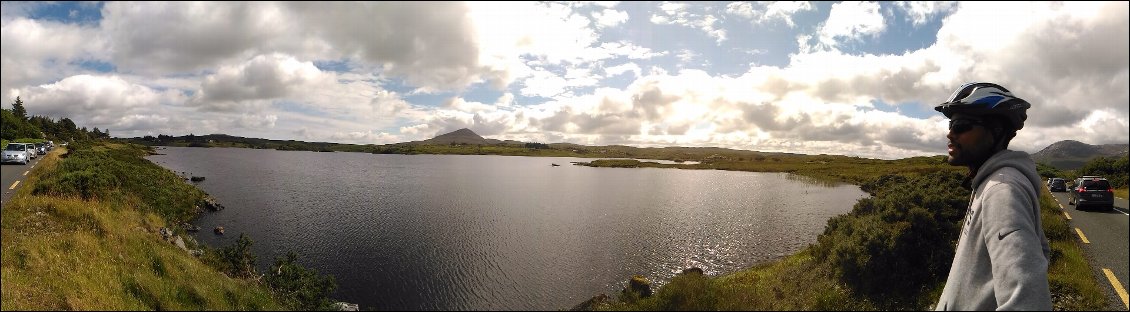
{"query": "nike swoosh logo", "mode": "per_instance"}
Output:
(1001, 236)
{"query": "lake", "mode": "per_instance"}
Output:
(456, 232)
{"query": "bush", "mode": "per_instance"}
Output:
(300, 287)
(237, 260)
(898, 244)
(1115, 170)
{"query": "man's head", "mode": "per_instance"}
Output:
(984, 117)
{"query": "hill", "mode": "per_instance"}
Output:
(1070, 154)
(463, 136)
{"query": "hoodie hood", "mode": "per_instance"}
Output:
(1008, 158)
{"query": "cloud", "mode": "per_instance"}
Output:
(671, 13)
(263, 77)
(609, 18)
(429, 44)
(767, 12)
(851, 21)
(38, 52)
(920, 12)
(616, 70)
(370, 72)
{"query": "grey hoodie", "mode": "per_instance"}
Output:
(1002, 254)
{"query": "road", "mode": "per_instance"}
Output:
(10, 174)
(1104, 235)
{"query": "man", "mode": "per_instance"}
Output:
(1002, 255)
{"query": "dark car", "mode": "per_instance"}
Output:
(1091, 191)
(1057, 185)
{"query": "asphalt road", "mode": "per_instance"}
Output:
(10, 174)
(1104, 235)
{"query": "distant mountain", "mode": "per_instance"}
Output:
(463, 136)
(1071, 154)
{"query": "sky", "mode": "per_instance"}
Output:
(844, 78)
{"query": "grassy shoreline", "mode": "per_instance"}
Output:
(94, 229)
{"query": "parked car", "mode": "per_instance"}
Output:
(15, 153)
(1057, 185)
(1092, 191)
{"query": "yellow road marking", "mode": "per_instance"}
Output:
(25, 172)
(1117, 287)
(1084, 237)
(14, 185)
(1067, 215)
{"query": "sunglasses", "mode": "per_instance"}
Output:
(959, 126)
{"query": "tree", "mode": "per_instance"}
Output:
(18, 109)
(13, 127)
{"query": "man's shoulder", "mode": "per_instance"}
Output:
(1008, 176)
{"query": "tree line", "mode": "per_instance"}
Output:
(16, 124)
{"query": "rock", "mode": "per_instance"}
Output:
(219, 230)
(345, 306)
(196, 179)
(692, 270)
(190, 227)
(166, 233)
(196, 252)
(180, 243)
(638, 285)
(598, 302)
(211, 204)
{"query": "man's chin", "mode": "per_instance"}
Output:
(955, 161)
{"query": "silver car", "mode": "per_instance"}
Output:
(15, 153)
(31, 152)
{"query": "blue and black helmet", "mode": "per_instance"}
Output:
(985, 99)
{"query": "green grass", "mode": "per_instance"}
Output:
(1123, 193)
(62, 251)
(822, 168)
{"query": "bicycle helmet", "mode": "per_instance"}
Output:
(984, 99)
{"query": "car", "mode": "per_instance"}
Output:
(1057, 185)
(41, 148)
(1092, 191)
(31, 150)
(15, 153)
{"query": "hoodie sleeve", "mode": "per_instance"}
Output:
(1019, 266)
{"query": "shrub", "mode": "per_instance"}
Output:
(235, 260)
(300, 287)
(898, 244)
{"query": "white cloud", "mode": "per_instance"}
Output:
(920, 12)
(37, 52)
(851, 21)
(767, 12)
(610, 18)
(365, 137)
(616, 70)
(263, 77)
(672, 13)
(250, 69)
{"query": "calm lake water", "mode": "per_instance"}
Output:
(450, 232)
